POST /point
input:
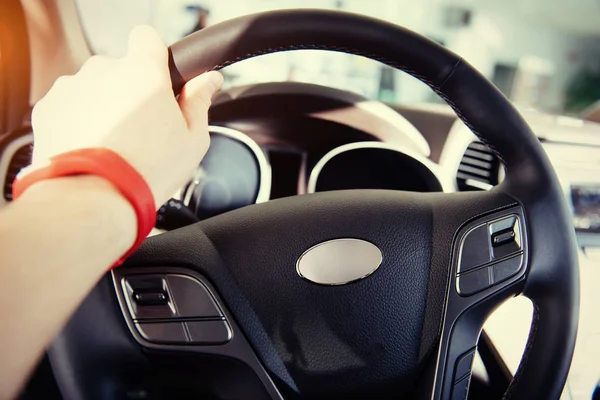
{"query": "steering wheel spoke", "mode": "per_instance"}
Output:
(488, 266)
(174, 309)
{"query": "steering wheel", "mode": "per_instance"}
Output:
(346, 294)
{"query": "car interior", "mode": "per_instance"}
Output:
(481, 213)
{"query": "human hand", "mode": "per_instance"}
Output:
(127, 105)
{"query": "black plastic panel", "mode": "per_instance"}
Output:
(465, 315)
(208, 332)
(474, 281)
(461, 389)
(505, 269)
(463, 365)
(191, 298)
(218, 337)
(475, 250)
(163, 332)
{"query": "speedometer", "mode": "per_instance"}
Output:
(234, 173)
(374, 165)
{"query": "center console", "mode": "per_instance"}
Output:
(578, 169)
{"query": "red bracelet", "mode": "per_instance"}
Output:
(110, 166)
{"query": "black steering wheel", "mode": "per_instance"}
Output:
(424, 269)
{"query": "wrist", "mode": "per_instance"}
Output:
(91, 200)
(109, 165)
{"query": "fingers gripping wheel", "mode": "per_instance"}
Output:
(410, 327)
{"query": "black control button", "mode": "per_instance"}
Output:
(505, 236)
(505, 269)
(461, 389)
(171, 332)
(209, 332)
(174, 214)
(503, 224)
(152, 298)
(463, 365)
(191, 297)
(144, 293)
(473, 282)
(475, 250)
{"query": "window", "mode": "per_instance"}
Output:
(550, 44)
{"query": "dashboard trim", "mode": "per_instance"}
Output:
(264, 190)
(458, 139)
(7, 155)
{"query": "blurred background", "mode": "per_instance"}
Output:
(543, 54)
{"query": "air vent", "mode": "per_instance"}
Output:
(479, 168)
(19, 160)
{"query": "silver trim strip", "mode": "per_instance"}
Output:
(264, 190)
(7, 156)
(477, 184)
(199, 174)
(445, 181)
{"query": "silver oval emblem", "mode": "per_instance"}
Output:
(339, 261)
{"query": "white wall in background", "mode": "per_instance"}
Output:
(108, 22)
(503, 36)
(498, 32)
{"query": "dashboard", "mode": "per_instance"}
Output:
(237, 171)
(275, 140)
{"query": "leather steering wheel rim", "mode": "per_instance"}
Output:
(549, 276)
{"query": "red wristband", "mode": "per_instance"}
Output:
(109, 165)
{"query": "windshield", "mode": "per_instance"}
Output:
(542, 54)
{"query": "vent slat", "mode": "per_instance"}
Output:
(479, 154)
(20, 159)
(474, 170)
(480, 146)
(478, 169)
(464, 177)
(477, 163)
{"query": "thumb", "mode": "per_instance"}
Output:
(146, 44)
(195, 99)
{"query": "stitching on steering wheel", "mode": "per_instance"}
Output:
(526, 354)
(373, 56)
(468, 124)
(376, 57)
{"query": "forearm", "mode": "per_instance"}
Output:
(56, 241)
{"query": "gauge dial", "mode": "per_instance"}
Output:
(234, 173)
